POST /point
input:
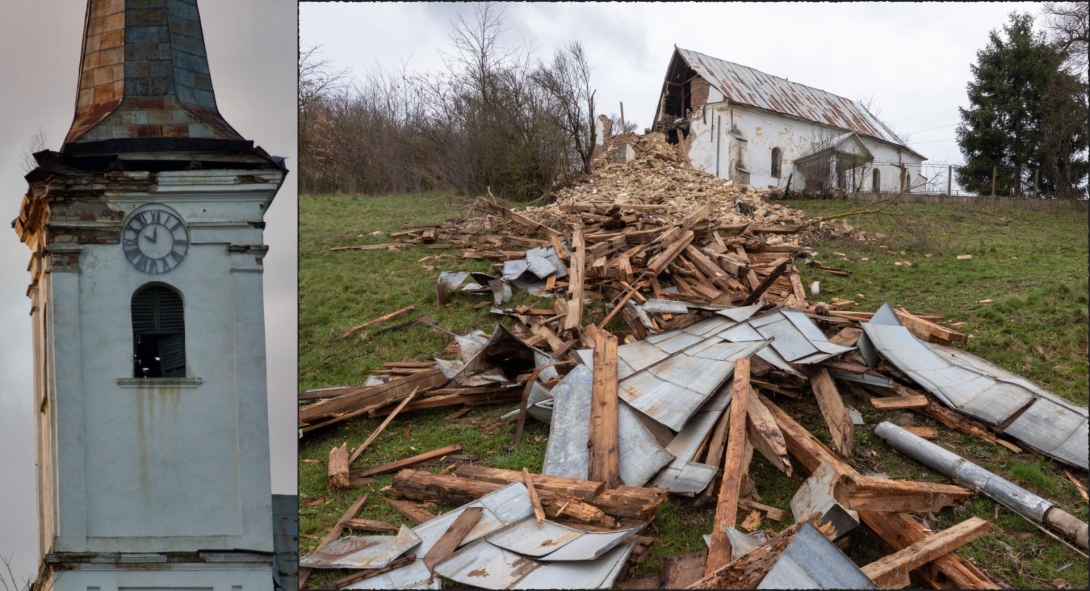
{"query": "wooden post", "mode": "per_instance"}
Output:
(949, 180)
(726, 511)
(603, 465)
(993, 181)
(622, 117)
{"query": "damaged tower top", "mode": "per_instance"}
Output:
(144, 84)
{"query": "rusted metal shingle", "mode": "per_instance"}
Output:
(144, 74)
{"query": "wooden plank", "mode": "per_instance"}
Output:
(624, 501)
(338, 467)
(726, 510)
(411, 511)
(511, 215)
(574, 319)
(535, 502)
(764, 285)
(405, 462)
(832, 408)
(681, 570)
(452, 538)
(802, 445)
(765, 435)
(891, 572)
(603, 463)
(899, 402)
(374, 434)
(378, 320)
(370, 525)
(925, 432)
(797, 289)
(847, 337)
(876, 494)
(659, 262)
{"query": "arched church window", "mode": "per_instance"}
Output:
(876, 181)
(158, 333)
(777, 162)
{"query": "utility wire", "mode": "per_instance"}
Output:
(933, 141)
(932, 129)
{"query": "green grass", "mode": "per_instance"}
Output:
(1032, 264)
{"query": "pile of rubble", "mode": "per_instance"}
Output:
(713, 326)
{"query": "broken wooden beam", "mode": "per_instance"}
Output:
(832, 408)
(374, 434)
(726, 509)
(574, 319)
(899, 402)
(535, 502)
(891, 572)
(877, 494)
(442, 488)
(449, 541)
(603, 464)
(338, 467)
(411, 511)
(747, 571)
(360, 400)
(624, 501)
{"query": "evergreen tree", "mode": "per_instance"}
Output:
(1018, 89)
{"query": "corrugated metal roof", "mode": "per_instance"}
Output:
(747, 86)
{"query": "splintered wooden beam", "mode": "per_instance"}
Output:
(507, 213)
(726, 510)
(411, 511)
(899, 402)
(603, 464)
(454, 535)
(338, 467)
(891, 572)
(574, 319)
(765, 435)
(659, 262)
(747, 571)
(767, 283)
(876, 494)
(833, 409)
(896, 530)
(405, 462)
(535, 502)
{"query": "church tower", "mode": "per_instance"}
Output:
(145, 233)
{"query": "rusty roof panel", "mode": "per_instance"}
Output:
(144, 74)
(744, 85)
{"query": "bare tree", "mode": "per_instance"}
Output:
(567, 83)
(8, 578)
(629, 126)
(1069, 31)
(37, 142)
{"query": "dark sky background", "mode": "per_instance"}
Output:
(252, 49)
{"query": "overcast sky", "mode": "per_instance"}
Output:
(912, 58)
(252, 56)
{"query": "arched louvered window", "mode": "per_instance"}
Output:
(777, 162)
(158, 333)
(876, 181)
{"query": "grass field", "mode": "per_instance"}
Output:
(1032, 264)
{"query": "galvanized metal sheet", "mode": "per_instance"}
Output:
(640, 355)
(361, 552)
(585, 574)
(741, 333)
(1054, 430)
(530, 538)
(709, 326)
(679, 340)
(812, 562)
(481, 564)
(740, 314)
(685, 478)
(741, 84)
(867, 378)
(787, 340)
(812, 333)
(411, 576)
(590, 545)
(566, 451)
(502, 507)
(640, 455)
(972, 385)
(665, 307)
(668, 403)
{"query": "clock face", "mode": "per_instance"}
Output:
(155, 240)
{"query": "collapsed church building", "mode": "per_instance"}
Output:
(747, 126)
